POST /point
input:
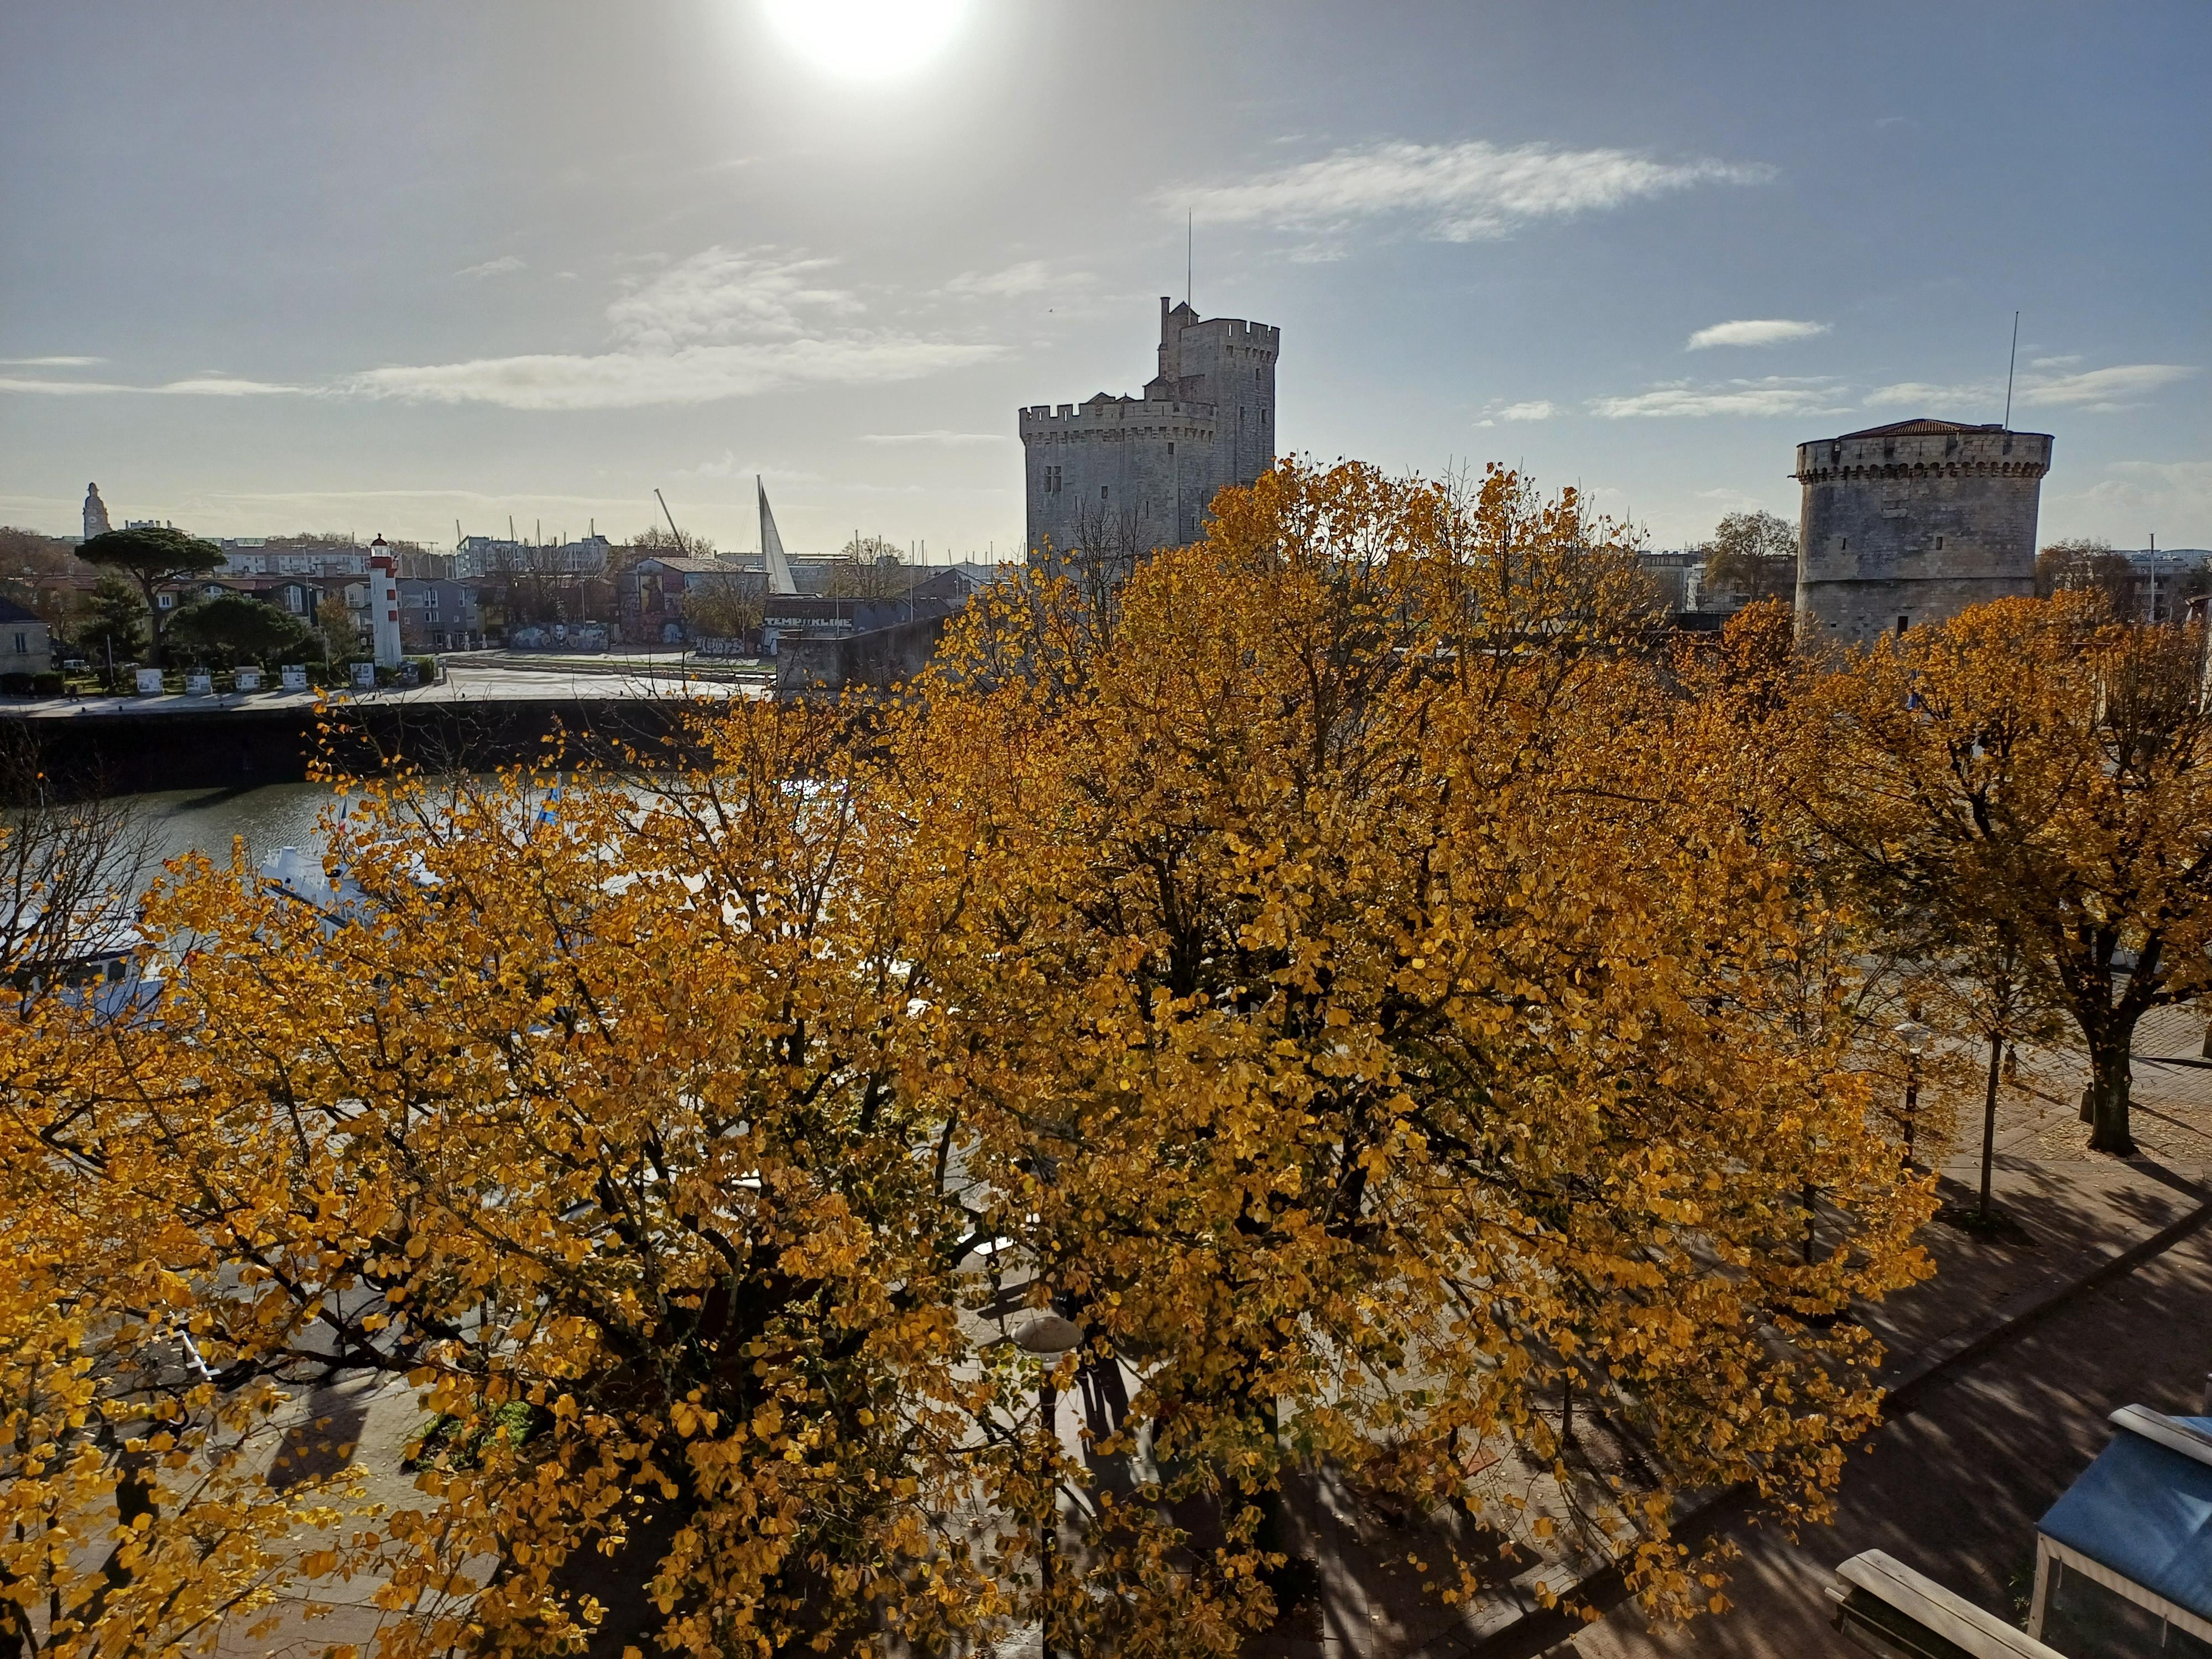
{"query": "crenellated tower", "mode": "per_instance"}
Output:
(1122, 475)
(1911, 523)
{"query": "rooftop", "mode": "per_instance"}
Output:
(2143, 1510)
(1924, 427)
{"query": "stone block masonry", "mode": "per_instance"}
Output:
(1122, 475)
(1911, 523)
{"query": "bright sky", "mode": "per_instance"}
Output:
(272, 267)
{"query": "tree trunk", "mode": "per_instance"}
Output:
(152, 623)
(2109, 1081)
(1989, 1119)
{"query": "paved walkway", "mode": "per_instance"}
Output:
(1955, 1489)
(1954, 1485)
(462, 682)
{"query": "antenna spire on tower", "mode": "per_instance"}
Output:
(1190, 251)
(2010, 364)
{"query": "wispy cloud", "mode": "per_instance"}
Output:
(2133, 497)
(720, 294)
(1753, 331)
(200, 385)
(692, 375)
(2096, 391)
(58, 388)
(939, 437)
(2102, 387)
(1461, 192)
(1935, 396)
(2055, 362)
(500, 267)
(425, 493)
(1773, 395)
(220, 386)
(1027, 276)
(1537, 409)
(51, 362)
(721, 324)
(727, 466)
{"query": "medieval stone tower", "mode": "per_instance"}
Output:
(1123, 476)
(1911, 523)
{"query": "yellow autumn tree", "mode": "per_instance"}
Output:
(1385, 1028)
(133, 1518)
(2033, 777)
(608, 1124)
(1343, 985)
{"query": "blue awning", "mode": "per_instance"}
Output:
(2144, 1508)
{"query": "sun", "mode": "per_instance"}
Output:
(867, 40)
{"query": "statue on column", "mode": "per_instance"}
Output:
(95, 513)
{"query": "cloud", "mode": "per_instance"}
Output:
(202, 386)
(938, 436)
(1757, 331)
(1028, 276)
(729, 466)
(2096, 391)
(499, 267)
(1931, 395)
(2171, 497)
(1538, 409)
(221, 386)
(691, 374)
(59, 388)
(1463, 192)
(2054, 363)
(720, 324)
(2101, 388)
(719, 294)
(51, 362)
(1773, 395)
(426, 492)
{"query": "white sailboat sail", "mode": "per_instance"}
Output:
(779, 567)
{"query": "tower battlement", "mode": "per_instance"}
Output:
(1105, 413)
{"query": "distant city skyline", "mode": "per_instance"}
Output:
(273, 270)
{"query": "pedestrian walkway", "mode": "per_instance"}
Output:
(1955, 1489)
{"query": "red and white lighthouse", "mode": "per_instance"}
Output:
(384, 603)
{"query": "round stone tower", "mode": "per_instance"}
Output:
(1911, 523)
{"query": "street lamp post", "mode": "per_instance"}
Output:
(1915, 1036)
(1050, 1338)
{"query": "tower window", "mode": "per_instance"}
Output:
(1901, 623)
(1939, 544)
(1102, 492)
(1171, 446)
